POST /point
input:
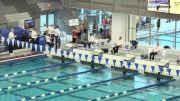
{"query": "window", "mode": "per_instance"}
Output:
(46, 19)
(51, 19)
(151, 30)
(178, 34)
(42, 23)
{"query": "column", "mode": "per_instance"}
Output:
(119, 26)
(123, 25)
(132, 27)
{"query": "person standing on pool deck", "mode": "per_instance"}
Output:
(85, 27)
(58, 36)
(158, 24)
(75, 32)
(11, 36)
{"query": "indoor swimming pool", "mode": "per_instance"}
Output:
(46, 79)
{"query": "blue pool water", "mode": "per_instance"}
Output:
(70, 76)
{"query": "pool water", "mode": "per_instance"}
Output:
(71, 75)
(164, 39)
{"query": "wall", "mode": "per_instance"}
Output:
(15, 10)
(132, 27)
(123, 25)
(119, 26)
(63, 17)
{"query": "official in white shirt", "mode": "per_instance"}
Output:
(155, 52)
(91, 40)
(119, 44)
(58, 36)
(11, 36)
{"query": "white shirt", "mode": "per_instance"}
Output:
(157, 49)
(51, 30)
(2, 38)
(120, 43)
(48, 39)
(34, 34)
(11, 35)
(57, 32)
(45, 29)
(91, 39)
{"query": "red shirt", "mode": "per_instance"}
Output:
(74, 34)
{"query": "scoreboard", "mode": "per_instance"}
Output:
(158, 5)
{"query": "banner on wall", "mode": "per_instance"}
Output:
(73, 22)
(158, 5)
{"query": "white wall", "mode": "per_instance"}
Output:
(21, 23)
(123, 25)
(119, 26)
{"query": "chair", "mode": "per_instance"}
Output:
(159, 56)
(164, 53)
(146, 55)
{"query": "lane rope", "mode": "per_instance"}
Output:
(37, 69)
(45, 80)
(172, 98)
(125, 92)
(74, 88)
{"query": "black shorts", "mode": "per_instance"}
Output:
(85, 30)
(74, 40)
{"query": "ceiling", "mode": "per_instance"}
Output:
(135, 7)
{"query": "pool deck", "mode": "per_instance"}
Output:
(81, 55)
